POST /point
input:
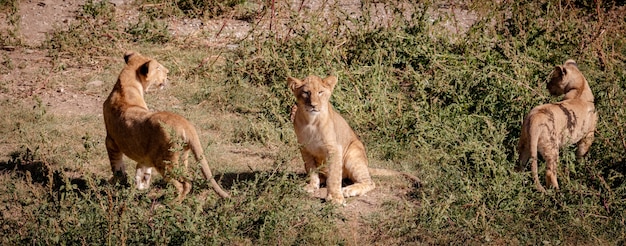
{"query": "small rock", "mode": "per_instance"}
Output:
(60, 90)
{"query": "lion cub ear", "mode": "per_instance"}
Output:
(148, 67)
(330, 81)
(571, 62)
(293, 83)
(144, 69)
(127, 56)
(558, 72)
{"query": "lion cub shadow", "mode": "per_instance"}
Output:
(259, 179)
(27, 165)
(226, 180)
(233, 180)
(230, 180)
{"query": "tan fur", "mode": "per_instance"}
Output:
(328, 145)
(145, 136)
(549, 127)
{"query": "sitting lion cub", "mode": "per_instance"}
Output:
(549, 127)
(328, 144)
(145, 136)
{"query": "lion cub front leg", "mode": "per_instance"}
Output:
(310, 165)
(335, 174)
(118, 167)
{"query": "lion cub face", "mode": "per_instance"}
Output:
(313, 93)
(149, 71)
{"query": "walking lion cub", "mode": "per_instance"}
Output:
(152, 139)
(549, 127)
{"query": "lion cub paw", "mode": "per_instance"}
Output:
(337, 199)
(311, 188)
(119, 177)
(357, 189)
(348, 192)
(541, 189)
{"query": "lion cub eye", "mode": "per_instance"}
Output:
(306, 94)
(320, 93)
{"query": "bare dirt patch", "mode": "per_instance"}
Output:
(38, 17)
(29, 72)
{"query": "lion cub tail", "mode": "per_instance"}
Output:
(534, 141)
(198, 152)
(388, 172)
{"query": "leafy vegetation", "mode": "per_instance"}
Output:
(425, 96)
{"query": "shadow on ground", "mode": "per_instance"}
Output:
(36, 171)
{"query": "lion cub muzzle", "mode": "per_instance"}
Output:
(311, 101)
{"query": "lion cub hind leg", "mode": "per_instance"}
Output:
(524, 154)
(359, 188)
(583, 145)
(174, 173)
(182, 185)
(551, 168)
(355, 168)
(535, 172)
(551, 156)
(183, 188)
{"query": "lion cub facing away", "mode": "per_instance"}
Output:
(552, 126)
(145, 136)
(327, 143)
